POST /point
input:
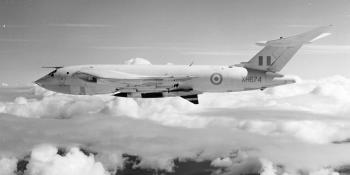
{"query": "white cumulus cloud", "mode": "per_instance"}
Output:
(222, 162)
(8, 165)
(4, 84)
(137, 61)
(291, 125)
(45, 161)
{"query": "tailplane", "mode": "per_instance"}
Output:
(276, 53)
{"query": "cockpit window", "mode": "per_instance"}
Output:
(51, 74)
(92, 79)
(87, 77)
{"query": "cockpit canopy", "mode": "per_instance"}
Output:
(52, 74)
(87, 77)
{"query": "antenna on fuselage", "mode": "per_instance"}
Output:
(191, 64)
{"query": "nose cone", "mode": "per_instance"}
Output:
(41, 81)
(53, 83)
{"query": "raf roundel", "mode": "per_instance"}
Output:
(216, 78)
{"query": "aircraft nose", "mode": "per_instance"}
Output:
(40, 81)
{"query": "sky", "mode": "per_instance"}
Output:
(39, 33)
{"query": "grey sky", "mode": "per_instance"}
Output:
(48, 32)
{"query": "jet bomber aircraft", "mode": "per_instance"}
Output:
(186, 81)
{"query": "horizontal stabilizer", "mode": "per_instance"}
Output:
(303, 38)
(278, 82)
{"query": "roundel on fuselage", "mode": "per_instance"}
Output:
(216, 78)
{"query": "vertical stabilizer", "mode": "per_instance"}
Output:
(276, 53)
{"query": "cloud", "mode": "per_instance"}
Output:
(79, 25)
(7, 166)
(312, 96)
(158, 144)
(45, 161)
(222, 162)
(325, 171)
(137, 61)
(267, 167)
(296, 118)
(4, 84)
(56, 106)
(248, 165)
(280, 130)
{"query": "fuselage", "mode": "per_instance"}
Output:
(186, 81)
(206, 78)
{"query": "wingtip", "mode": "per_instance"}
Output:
(327, 27)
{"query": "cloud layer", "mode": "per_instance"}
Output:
(288, 129)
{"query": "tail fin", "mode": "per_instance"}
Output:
(276, 53)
